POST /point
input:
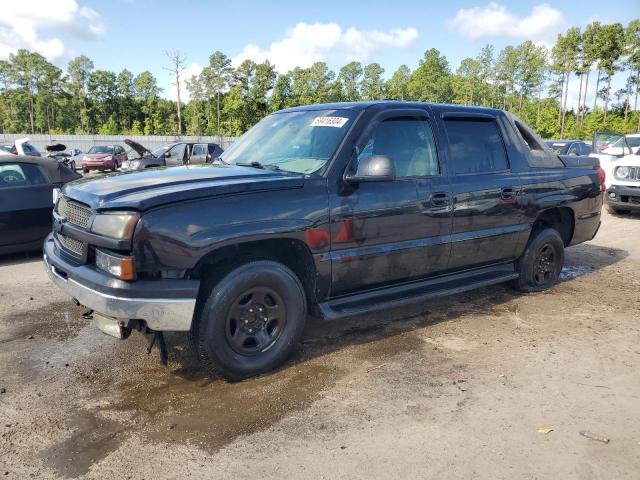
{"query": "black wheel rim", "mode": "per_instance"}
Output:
(255, 320)
(545, 264)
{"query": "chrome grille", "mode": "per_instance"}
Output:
(71, 244)
(634, 173)
(74, 212)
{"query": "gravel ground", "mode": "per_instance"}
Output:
(465, 387)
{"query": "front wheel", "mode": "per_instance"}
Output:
(541, 263)
(251, 321)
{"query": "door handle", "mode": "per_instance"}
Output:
(440, 199)
(508, 193)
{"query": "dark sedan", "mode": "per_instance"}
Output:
(28, 187)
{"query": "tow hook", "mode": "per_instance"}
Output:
(157, 338)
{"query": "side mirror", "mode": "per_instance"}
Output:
(167, 155)
(376, 168)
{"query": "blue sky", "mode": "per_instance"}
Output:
(133, 34)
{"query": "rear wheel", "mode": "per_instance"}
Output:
(541, 263)
(251, 320)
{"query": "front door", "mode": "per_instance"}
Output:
(176, 155)
(386, 232)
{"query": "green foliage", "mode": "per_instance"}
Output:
(36, 96)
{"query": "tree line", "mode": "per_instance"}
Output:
(529, 80)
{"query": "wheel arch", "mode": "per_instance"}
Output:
(561, 219)
(291, 252)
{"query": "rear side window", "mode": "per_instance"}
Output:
(475, 146)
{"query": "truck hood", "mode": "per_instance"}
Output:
(139, 149)
(159, 186)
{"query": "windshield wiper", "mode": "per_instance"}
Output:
(259, 165)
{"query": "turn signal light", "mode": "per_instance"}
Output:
(117, 265)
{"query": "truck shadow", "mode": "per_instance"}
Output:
(324, 337)
(183, 404)
(20, 258)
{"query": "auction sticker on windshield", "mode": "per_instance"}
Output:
(337, 122)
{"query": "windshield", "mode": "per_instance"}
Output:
(160, 151)
(100, 150)
(300, 142)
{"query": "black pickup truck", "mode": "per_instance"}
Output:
(331, 210)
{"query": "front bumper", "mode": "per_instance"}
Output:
(625, 197)
(122, 301)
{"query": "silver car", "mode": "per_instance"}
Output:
(171, 155)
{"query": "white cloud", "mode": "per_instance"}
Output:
(307, 43)
(186, 74)
(25, 24)
(494, 20)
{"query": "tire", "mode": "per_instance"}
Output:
(251, 321)
(85, 170)
(617, 211)
(541, 263)
(114, 168)
(72, 165)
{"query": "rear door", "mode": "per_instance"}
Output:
(26, 203)
(198, 154)
(487, 220)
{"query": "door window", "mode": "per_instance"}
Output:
(199, 149)
(574, 149)
(475, 146)
(177, 152)
(408, 142)
(21, 175)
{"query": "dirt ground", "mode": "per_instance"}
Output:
(462, 387)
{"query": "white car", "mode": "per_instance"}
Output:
(619, 156)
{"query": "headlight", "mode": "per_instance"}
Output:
(116, 265)
(115, 224)
(134, 163)
(622, 172)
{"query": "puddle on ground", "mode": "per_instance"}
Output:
(388, 347)
(93, 439)
(163, 406)
(570, 272)
(60, 321)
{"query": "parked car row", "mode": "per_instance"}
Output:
(115, 157)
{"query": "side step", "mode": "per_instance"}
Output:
(414, 292)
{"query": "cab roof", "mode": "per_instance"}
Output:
(390, 104)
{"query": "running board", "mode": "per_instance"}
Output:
(414, 292)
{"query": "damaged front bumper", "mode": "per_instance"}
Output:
(164, 305)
